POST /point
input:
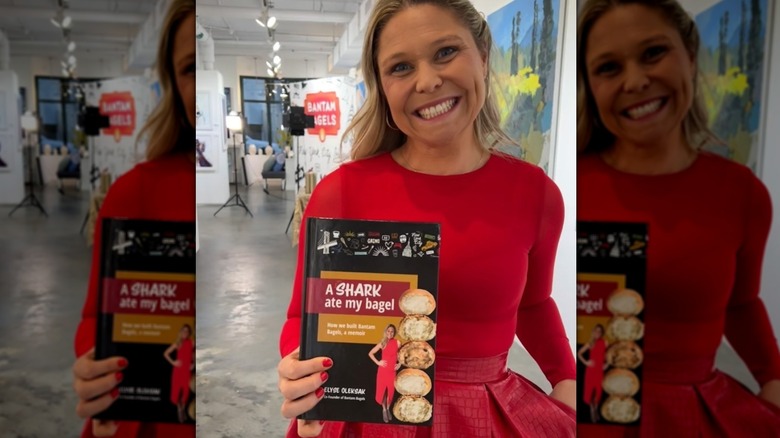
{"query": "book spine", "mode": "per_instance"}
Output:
(104, 319)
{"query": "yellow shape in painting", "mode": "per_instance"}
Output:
(735, 82)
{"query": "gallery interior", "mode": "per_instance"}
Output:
(262, 66)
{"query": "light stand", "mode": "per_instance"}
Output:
(235, 124)
(300, 174)
(30, 125)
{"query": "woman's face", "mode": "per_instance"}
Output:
(432, 74)
(390, 333)
(184, 65)
(597, 332)
(184, 333)
(640, 75)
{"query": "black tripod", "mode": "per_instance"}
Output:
(300, 174)
(239, 202)
(30, 200)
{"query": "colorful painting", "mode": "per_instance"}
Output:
(732, 61)
(525, 66)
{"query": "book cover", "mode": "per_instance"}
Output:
(370, 303)
(611, 264)
(146, 313)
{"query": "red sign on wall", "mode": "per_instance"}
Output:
(327, 114)
(120, 109)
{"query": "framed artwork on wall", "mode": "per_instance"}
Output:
(733, 64)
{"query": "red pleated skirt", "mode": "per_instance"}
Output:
(474, 398)
(717, 407)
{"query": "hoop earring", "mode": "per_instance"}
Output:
(387, 120)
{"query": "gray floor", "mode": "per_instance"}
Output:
(245, 269)
(44, 265)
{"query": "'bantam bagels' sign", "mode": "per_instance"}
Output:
(120, 109)
(327, 114)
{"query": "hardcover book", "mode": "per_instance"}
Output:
(611, 263)
(370, 303)
(146, 314)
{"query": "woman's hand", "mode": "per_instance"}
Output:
(771, 392)
(382, 363)
(565, 391)
(177, 363)
(300, 382)
(95, 384)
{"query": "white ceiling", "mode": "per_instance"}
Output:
(101, 28)
(307, 29)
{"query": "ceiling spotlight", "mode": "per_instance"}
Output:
(277, 46)
(71, 46)
(277, 60)
(66, 22)
(271, 23)
(270, 72)
(269, 64)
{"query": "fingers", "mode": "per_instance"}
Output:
(292, 368)
(95, 383)
(291, 408)
(87, 368)
(101, 428)
(89, 389)
(292, 389)
(88, 408)
(309, 428)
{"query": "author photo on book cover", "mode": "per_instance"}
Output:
(160, 188)
(594, 372)
(387, 365)
(183, 366)
(642, 130)
(424, 149)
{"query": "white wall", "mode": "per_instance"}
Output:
(769, 174)
(212, 186)
(564, 164)
(11, 181)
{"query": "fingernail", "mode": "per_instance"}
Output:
(118, 376)
(122, 363)
(322, 422)
(324, 376)
(327, 363)
(319, 392)
(115, 393)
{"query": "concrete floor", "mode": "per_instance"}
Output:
(44, 265)
(245, 269)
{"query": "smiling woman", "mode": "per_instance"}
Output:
(423, 152)
(641, 128)
(161, 188)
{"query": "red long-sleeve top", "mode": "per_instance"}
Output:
(707, 228)
(161, 189)
(500, 227)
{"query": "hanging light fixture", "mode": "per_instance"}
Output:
(276, 46)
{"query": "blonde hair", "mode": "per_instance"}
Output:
(369, 129)
(167, 127)
(385, 339)
(592, 135)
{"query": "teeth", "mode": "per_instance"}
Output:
(437, 110)
(648, 108)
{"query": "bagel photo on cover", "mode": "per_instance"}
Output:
(620, 409)
(625, 302)
(412, 409)
(624, 354)
(416, 354)
(621, 382)
(625, 328)
(417, 328)
(417, 302)
(411, 381)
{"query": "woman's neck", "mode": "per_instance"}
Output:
(432, 160)
(656, 159)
